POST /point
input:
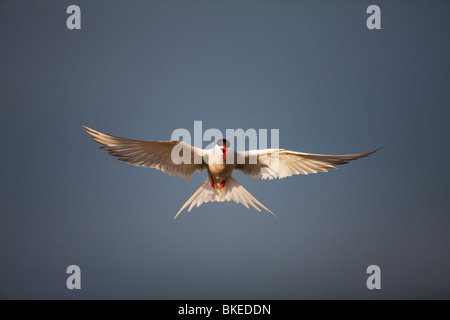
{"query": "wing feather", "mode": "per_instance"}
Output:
(152, 154)
(280, 163)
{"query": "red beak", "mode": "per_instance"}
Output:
(224, 151)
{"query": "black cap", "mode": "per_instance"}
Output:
(222, 142)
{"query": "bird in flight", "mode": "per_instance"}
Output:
(219, 162)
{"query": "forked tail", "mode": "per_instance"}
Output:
(231, 191)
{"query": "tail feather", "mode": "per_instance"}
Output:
(192, 198)
(232, 191)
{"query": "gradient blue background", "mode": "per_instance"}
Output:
(140, 69)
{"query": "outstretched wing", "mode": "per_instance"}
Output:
(280, 163)
(152, 154)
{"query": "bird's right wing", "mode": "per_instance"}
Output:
(280, 163)
(153, 154)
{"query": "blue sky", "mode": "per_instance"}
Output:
(143, 69)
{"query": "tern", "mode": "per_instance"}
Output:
(220, 162)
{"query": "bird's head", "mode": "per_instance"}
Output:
(223, 145)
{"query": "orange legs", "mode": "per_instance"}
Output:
(213, 185)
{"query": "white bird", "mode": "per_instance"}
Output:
(219, 162)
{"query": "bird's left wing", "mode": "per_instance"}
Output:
(280, 163)
(153, 154)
